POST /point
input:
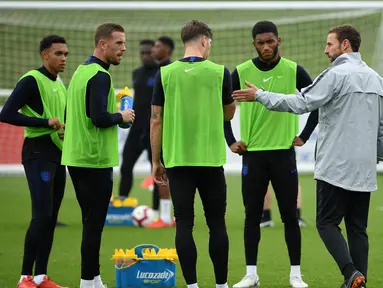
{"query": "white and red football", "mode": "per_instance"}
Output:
(143, 216)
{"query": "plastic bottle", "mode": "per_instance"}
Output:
(126, 102)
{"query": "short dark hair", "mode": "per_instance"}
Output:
(147, 42)
(194, 29)
(348, 32)
(168, 41)
(105, 30)
(47, 41)
(264, 27)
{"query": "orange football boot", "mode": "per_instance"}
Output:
(159, 224)
(27, 282)
(48, 283)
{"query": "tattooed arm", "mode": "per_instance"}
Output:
(158, 102)
(156, 133)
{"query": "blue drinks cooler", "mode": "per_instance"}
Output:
(120, 211)
(145, 265)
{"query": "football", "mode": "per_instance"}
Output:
(143, 216)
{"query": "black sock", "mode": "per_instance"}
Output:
(348, 270)
(266, 215)
(299, 213)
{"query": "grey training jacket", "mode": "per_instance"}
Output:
(349, 96)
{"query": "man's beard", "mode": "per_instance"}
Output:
(275, 52)
(333, 58)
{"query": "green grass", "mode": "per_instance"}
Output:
(317, 266)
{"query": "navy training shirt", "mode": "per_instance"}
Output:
(27, 92)
(97, 92)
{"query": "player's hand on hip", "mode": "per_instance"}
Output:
(61, 135)
(245, 95)
(159, 174)
(127, 116)
(55, 124)
(298, 141)
(238, 147)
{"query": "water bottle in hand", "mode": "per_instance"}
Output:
(126, 102)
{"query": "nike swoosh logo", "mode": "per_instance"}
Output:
(267, 79)
(54, 90)
(188, 70)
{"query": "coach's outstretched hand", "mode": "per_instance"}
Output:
(245, 95)
(159, 174)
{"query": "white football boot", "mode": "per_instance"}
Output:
(248, 281)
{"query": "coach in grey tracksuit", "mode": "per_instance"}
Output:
(349, 96)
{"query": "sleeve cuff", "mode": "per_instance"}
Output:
(118, 118)
(230, 142)
(258, 94)
(303, 137)
(46, 123)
